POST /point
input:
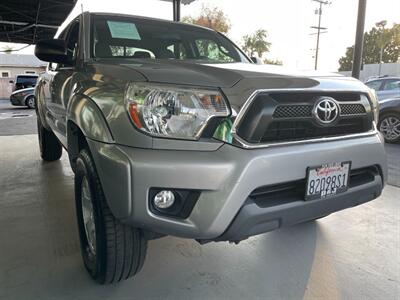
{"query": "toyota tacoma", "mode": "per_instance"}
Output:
(171, 129)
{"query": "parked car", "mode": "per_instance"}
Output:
(172, 130)
(24, 81)
(385, 87)
(24, 97)
(389, 120)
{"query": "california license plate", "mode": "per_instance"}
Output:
(327, 180)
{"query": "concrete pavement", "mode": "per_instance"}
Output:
(353, 254)
(16, 120)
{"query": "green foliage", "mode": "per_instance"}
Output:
(211, 17)
(210, 50)
(376, 38)
(256, 43)
(273, 62)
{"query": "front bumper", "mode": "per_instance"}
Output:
(226, 178)
(17, 101)
(257, 217)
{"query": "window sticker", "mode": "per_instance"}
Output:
(123, 30)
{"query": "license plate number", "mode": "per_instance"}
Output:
(327, 180)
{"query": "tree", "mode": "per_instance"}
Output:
(256, 43)
(211, 17)
(376, 38)
(273, 62)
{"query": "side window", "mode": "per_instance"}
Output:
(392, 85)
(375, 85)
(208, 49)
(178, 50)
(71, 37)
(126, 51)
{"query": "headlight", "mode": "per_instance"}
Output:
(174, 112)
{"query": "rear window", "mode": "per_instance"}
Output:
(23, 82)
(115, 36)
(29, 80)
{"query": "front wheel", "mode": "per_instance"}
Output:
(111, 251)
(30, 102)
(389, 126)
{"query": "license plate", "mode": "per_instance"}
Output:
(327, 180)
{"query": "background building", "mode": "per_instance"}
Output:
(12, 65)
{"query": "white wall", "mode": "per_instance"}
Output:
(392, 69)
(14, 71)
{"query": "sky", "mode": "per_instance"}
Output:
(288, 23)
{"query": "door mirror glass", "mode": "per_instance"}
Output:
(54, 50)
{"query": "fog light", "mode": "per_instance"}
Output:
(164, 199)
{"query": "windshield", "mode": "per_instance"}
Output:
(153, 39)
(23, 82)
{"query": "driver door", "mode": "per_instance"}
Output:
(60, 86)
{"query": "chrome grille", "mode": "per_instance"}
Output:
(275, 117)
(305, 111)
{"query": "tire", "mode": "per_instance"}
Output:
(50, 147)
(389, 126)
(111, 251)
(30, 102)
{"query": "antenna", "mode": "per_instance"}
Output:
(83, 33)
(318, 12)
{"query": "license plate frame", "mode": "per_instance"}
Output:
(330, 191)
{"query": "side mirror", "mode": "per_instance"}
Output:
(54, 50)
(256, 60)
(11, 81)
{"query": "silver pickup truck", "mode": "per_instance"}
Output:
(172, 130)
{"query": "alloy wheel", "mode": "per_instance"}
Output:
(390, 128)
(88, 216)
(31, 102)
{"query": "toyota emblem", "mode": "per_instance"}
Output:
(326, 110)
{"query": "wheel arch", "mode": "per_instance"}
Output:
(40, 105)
(85, 113)
(85, 121)
(388, 110)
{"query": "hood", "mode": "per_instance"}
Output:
(26, 90)
(212, 75)
(237, 80)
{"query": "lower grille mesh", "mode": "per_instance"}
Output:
(297, 130)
